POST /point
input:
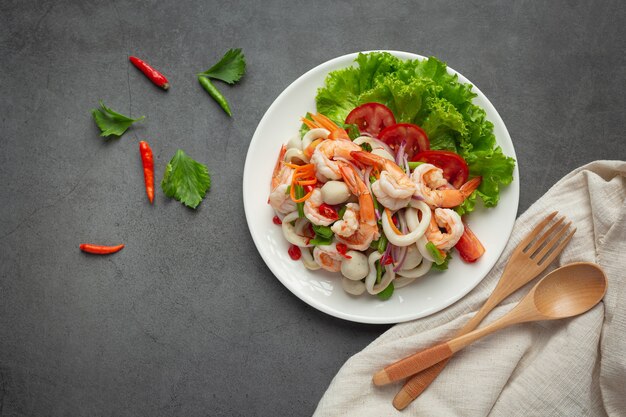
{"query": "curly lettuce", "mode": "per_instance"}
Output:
(424, 93)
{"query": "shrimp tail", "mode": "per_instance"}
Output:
(358, 188)
(468, 188)
(351, 179)
(278, 167)
(369, 159)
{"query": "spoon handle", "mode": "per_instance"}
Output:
(413, 364)
(426, 358)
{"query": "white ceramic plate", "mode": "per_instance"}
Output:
(323, 290)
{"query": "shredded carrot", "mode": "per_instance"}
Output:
(393, 226)
(302, 175)
(325, 122)
(307, 182)
(311, 124)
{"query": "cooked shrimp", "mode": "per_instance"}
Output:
(312, 209)
(350, 222)
(447, 219)
(281, 178)
(367, 229)
(328, 257)
(324, 154)
(428, 178)
(394, 188)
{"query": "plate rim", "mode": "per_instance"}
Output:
(311, 301)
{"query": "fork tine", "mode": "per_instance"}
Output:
(557, 250)
(539, 242)
(554, 238)
(530, 236)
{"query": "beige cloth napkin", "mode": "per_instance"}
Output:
(571, 367)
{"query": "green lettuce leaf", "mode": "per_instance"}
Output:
(496, 170)
(186, 180)
(424, 93)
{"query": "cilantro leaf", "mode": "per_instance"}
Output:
(186, 180)
(229, 69)
(111, 122)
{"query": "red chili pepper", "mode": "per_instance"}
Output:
(99, 249)
(395, 221)
(388, 260)
(148, 168)
(277, 220)
(294, 252)
(155, 76)
(328, 212)
(342, 248)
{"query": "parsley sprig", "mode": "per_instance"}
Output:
(186, 180)
(229, 69)
(111, 122)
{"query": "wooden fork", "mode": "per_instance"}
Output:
(534, 253)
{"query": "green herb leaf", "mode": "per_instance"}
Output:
(111, 122)
(352, 130)
(229, 69)
(186, 180)
(366, 147)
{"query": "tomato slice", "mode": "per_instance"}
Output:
(371, 118)
(415, 137)
(469, 247)
(454, 167)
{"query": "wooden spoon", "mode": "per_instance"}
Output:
(565, 292)
(529, 259)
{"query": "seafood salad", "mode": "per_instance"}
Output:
(368, 196)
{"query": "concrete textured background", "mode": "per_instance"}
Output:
(187, 319)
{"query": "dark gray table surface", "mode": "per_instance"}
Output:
(187, 319)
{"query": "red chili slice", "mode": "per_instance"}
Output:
(294, 252)
(277, 220)
(328, 212)
(371, 118)
(415, 138)
(454, 167)
(342, 248)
